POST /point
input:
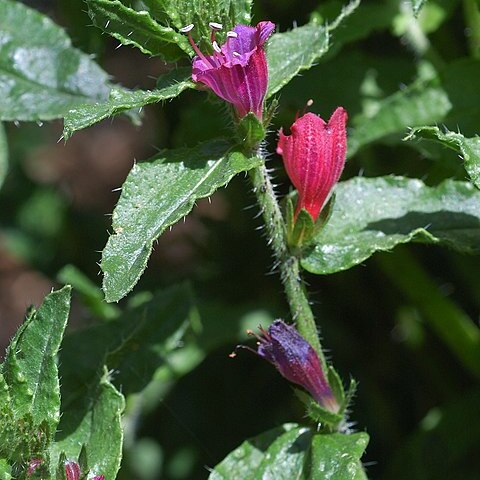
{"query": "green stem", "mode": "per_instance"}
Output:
(471, 9)
(288, 264)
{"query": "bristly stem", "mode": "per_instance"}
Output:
(287, 263)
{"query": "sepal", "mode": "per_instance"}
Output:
(318, 414)
(250, 131)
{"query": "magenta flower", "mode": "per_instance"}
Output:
(72, 470)
(33, 465)
(237, 71)
(296, 360)
(314, 157)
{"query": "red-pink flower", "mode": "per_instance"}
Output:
(314, 157)
(237, 71)
(72, 470)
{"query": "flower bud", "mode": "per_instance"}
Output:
(314, 157)
(72, 470)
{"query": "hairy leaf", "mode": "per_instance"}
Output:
(156, 194)
(138, 28)
(41, 75)
(121, 100)
(292, 451)
(375, 214)
(30, 368)
(99, 429)
(468, 148)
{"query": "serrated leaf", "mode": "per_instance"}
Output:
(423, 102)
(3, 155)
(156, 194)
(296, 452)
(139, 29)
(375, 214)
(121, 100)
(30, 368)
(99, 430)
(199, 12)
(468, 148)
(41, 75)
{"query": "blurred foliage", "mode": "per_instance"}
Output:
(415, 355)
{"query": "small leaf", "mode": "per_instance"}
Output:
(468, 148)
(41, 75)
(97, 430)
(3, 155)
(138, 28)
(157, 194)
(5, 470)
(30, 368)
(375, 214)
(121, 100)
(292, 451)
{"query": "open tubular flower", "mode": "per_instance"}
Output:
(237, 71)
(296, 360)
(314, 157)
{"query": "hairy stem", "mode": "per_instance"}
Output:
(287, 263)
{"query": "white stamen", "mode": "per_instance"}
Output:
(216, 47)
(187, 28)
(232, 34)
(215, 26)
(236, 54)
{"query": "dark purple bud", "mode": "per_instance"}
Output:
(296, 360)
(72, 470)
(99, 477)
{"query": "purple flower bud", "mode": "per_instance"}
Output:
(72, 470)
(99, 477)
(296, 360)
(237, 71)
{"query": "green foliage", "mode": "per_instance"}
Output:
(292, 451)
(41, 75)
(137, 28)
(360, 225)
(3, 155)
(120, 100)
(157, 194)
(468, 148)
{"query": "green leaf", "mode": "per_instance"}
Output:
(285, 56)
(423, 102)
(30, 368)
(7, 432)
(90, 294)
(156, 194)
(99, 431)
(41, 75)
(468, 148)
(120, 100)
(292, 451)
(5, 470)
(199, 12)
(138, 28)
(375, 214)
(339, 456)
(3, 155)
